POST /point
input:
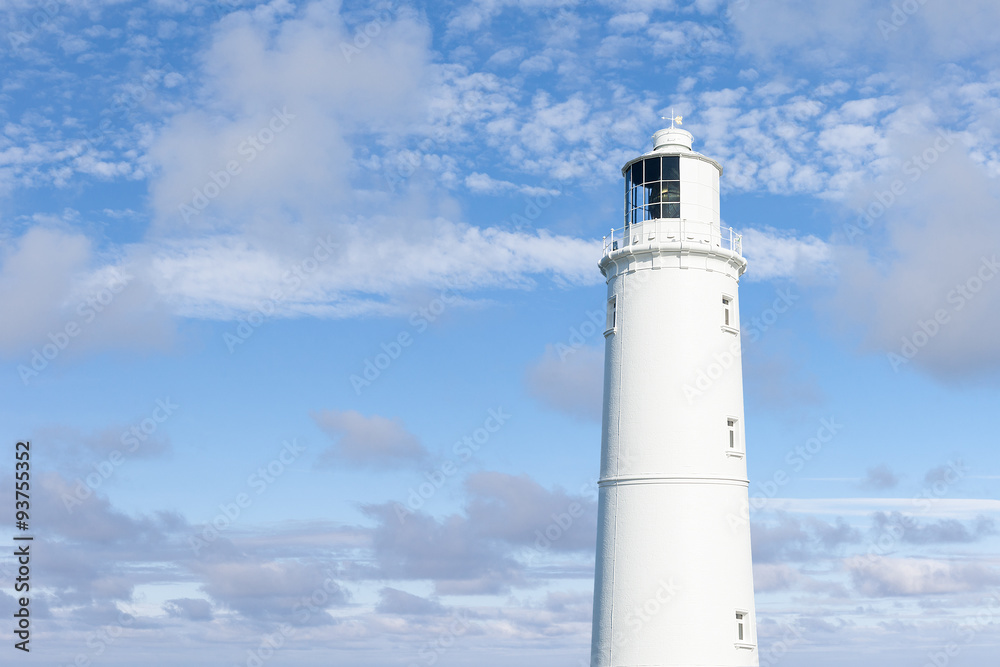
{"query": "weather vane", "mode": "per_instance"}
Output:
(673, 119)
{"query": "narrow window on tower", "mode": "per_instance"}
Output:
(734, 448)
(740, 626)
(727, 309)
(612, 315)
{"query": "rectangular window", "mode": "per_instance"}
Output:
(636, 173)
(671, 168)
(732, 433)
(727, 311)
(651, 172)
(612, 312)
(740, 621)
(671, 191)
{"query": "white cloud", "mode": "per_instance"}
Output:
(769, 577)
(57, 284)
(272, 590)
(628, 22)
(880, 477)
(774, 254)
(484, 184)
(304, 183)
(877, 576)
(921, 275)
(367, 441)
(225, 277)
(953, 508)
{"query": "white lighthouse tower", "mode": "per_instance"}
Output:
(674, 584)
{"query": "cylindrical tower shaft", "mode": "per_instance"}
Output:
(674, 583)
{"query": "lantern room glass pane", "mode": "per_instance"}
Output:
(671, 191)
(635, 173)
(651, 170)
(654, 193)
(671, 168)
(652, 189)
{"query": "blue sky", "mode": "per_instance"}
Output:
(215, 217)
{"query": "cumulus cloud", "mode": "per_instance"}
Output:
(920, 280)
(223, 255)
(367, 441)
(507, 525)
(769, 577)
(192, 609)
(518, 509)
(942, 531)
(879, 577)
(274, 590)
(786, 538)
(773, 253)
(835, 33)
(447, 552)
(395, 601)
(879, 478)
(80, 455)
(70, 300)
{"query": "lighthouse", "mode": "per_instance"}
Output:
(673, 584)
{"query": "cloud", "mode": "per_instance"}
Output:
(783, 540)
(447, 552)
(367, 441)
(37, 277)
(788, 538)
(320, 178)
(880, 577)
(192, 609)
(628, 21)
(879, 478)
(830, 33)
(571, 382)
(274, 590)
(69, 299)
(485, 184)
(395, 601)
(942, 531)
(920, 280)
(945, 475)
(264, 71)
(773, 254)
(768, 577)
(87, 542)
(80, 455)
(228, 277)
(853, 30)
(480, 551)
(517, 509)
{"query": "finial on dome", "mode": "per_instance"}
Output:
(672, 139)
(672, 118)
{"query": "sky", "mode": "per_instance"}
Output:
(302, 320)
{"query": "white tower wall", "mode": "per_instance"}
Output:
(673, 550)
